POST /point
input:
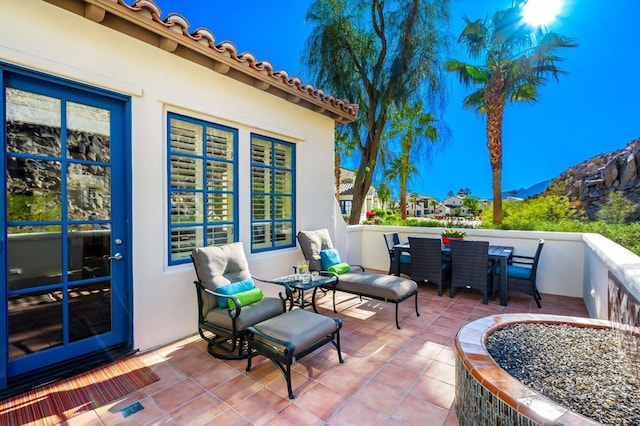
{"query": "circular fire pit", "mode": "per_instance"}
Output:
(486, 394)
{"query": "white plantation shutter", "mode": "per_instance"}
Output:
(272, 193)
(203, 191)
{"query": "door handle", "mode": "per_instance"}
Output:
(116, 256)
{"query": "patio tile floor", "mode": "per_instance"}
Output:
(390, 376)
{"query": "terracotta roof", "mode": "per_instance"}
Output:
(172, 34)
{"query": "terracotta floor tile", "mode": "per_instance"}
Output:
(294, 415)
(228, 418)
(235, 390)
(441, 371)
(397, 377)
(416, 412)
(379, 396)
(411, 361)
(178, 394)
(434, 391)
(262, 406)
(357, 413)
(321, 400)
(195, 362)
(344, 380)
(169, 376)
(215, 375)
(199, 410)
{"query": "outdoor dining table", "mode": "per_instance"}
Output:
(500, 254)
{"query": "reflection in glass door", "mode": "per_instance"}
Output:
(65, 234)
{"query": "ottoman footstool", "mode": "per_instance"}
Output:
(290, 336)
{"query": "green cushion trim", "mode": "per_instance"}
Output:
(339, 268)
(247, 297)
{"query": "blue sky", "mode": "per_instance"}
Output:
(593, 109)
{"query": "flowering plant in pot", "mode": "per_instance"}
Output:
(452, 234)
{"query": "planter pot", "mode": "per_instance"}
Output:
(445, 240)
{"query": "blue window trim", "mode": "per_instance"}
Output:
(234, 191)
(272, 194)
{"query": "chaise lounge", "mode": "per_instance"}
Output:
(356, 280)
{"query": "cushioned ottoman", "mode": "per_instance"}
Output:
(388, 288)
(290, 336)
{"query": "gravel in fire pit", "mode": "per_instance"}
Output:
(583, 369)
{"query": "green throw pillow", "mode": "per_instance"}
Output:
(247, 297)
(339, 268)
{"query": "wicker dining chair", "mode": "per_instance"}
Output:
(470, 267)
(427, 264)
(522, 273)
(406, 263)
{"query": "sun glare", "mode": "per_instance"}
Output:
(541, 12)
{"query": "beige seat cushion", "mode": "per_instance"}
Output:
(299, 327)
(389, 287)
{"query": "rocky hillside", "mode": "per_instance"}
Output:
(589, 183)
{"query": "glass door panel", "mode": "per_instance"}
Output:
(66, 292)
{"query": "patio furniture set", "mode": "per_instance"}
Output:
(238, 322)
(465, 264)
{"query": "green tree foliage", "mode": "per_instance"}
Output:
(616, 210)
(472, 204)
(376, 53)
(415, 127)
(527, 214)
(516, 59)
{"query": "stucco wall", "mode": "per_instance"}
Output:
(43, 37)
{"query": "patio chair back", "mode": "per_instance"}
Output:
(428, 265)
(391, 239)
(470, 266)
(522, 273)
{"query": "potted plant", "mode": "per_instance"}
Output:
(452, 234)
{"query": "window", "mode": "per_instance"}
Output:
(272, 193)
(202, 196)
(345, 206)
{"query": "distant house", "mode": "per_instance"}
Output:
(130, 139)
(347, 179)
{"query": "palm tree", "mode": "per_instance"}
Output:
(517, 59)
(384, 193)
(414, 198)
(434, 204)
(415, 126)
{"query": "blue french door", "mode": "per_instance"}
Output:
(64, 238)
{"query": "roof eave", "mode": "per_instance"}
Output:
(142, 21)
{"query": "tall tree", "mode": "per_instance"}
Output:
(516, 60)
(414, 127)
(376, 53)
(384, 193)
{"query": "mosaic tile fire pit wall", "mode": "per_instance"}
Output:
(486, 394)
(624, 312)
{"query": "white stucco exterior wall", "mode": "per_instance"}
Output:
(39, 36)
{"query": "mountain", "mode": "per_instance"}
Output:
(589, 183)
(536, 189)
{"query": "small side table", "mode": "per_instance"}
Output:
(298, 287)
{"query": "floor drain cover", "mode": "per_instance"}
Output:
(131, 409)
